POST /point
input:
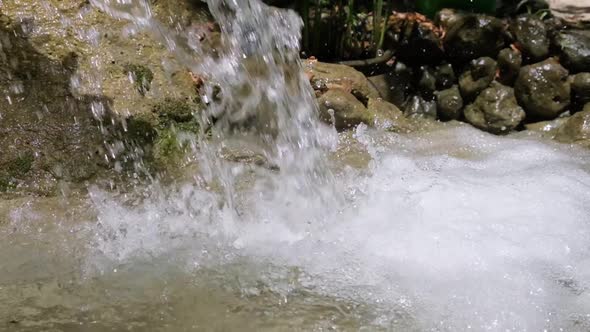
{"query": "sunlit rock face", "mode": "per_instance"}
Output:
(82, 93)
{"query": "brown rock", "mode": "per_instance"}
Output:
(329, 75)
(342, 109)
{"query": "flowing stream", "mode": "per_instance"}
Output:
(449, 229)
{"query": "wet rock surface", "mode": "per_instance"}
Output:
(580, 91)
(576, 129)
(324, 76)
(445, 76)
(449, 103)
(343, 110)
(531, 36)
(387, 115)
(546, 128)
(509, 64)
(80, 104)
(543, 90)
(418, 107)
(418, 44)
(47, 135)
(393, 86)
(77, 103)
(479, 75)
(471, 36)
(495, 110)
(574, 49)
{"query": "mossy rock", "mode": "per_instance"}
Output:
(531, 36)
(472, 36)
(495, 110)
(21, 165)
(543, 89)
(574, 49)
(173, 143)
(449, 103)
(479, 76)
(14, 170)
(142, 77)
(509, 63)
(179, 110)
(6, 184)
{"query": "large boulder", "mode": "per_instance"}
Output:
(343, 110)
(495, 110)
(543, 89)
(324, 76)
(449, 103)
(574, 49)
(530, 34)
(471, 36)
(576, 129)
(480, 74)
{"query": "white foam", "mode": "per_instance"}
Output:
(460, 228)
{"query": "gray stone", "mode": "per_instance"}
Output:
(416, 106)
(470, 36)
(546, 128)
(580, 91)
(387, 115)
(343, 110)
(445, 76)
(543, 90)
(531, 36)
(574, 49)
(495, 110)
(449, 103)
(324, 76)
(480, 74)
(576, 129)
(509, 63)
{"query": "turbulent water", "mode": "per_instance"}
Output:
(450, 229)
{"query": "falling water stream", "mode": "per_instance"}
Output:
(449, 229)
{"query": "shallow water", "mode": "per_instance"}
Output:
(448, 230)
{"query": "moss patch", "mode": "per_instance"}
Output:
(5, 183)
(21, 165)
(142, 76)
(177, 110)
(168, 148)
(14, 169)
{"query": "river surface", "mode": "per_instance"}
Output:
(447, 230)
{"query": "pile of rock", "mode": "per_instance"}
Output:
(496, 74)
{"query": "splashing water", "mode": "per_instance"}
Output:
(255, 91)
(448, 230)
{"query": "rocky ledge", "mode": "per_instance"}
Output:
(81, 104)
